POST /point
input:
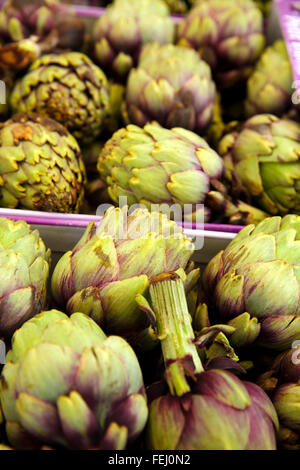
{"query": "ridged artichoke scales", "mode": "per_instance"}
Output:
(67, 87)
(40, 165)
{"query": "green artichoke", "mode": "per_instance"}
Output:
(172, 86)
(264, 158)
(28, 29)
(125, 27)
(227, 34)
(66, 384)
(269, 92)
(107, 269)
(257, 275)
(41, 165)
(153, 165)
(214, 410)
(24, 271)
(67, 87)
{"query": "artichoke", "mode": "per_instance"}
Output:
(125, 27)
(53, 388)
(269, 92)
(281, 382)
(227, 34)
(24, 270)
(257, 276)
(153, 165)
(172, 86)
(28, 29)
(264, 158)
(105, 271)
(215, 410)
(41, 165)
(69, 88)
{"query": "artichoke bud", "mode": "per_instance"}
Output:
(65, 383)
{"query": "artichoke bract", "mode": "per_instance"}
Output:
(28, 29)
(197, 409)
(24, 271)
(171, 85)
(125, 27)
(41, 166)
(269, 92)
(264, 158)
(108, 268)
(227, 34)
(258, 274)
(153, 165)
(66, 384)
(67, 87)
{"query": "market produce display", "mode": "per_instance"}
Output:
(41, 165)
(154, 115)
(125, 28)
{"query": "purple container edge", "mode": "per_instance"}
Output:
(82, 220)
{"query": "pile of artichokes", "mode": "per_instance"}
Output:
(129, 359)
(157, 104)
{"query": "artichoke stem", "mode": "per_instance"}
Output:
(175, 331)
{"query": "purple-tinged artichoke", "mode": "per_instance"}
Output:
(66, 384)
(125, 27)
(197, 409)
(269, 88)
(282, 383)
(264, 158)
(105, 271)
(258, 274)
(24, 271)
(171, 85)
(67, 87)
(227, 34)
(31, 28)
(41, 166)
